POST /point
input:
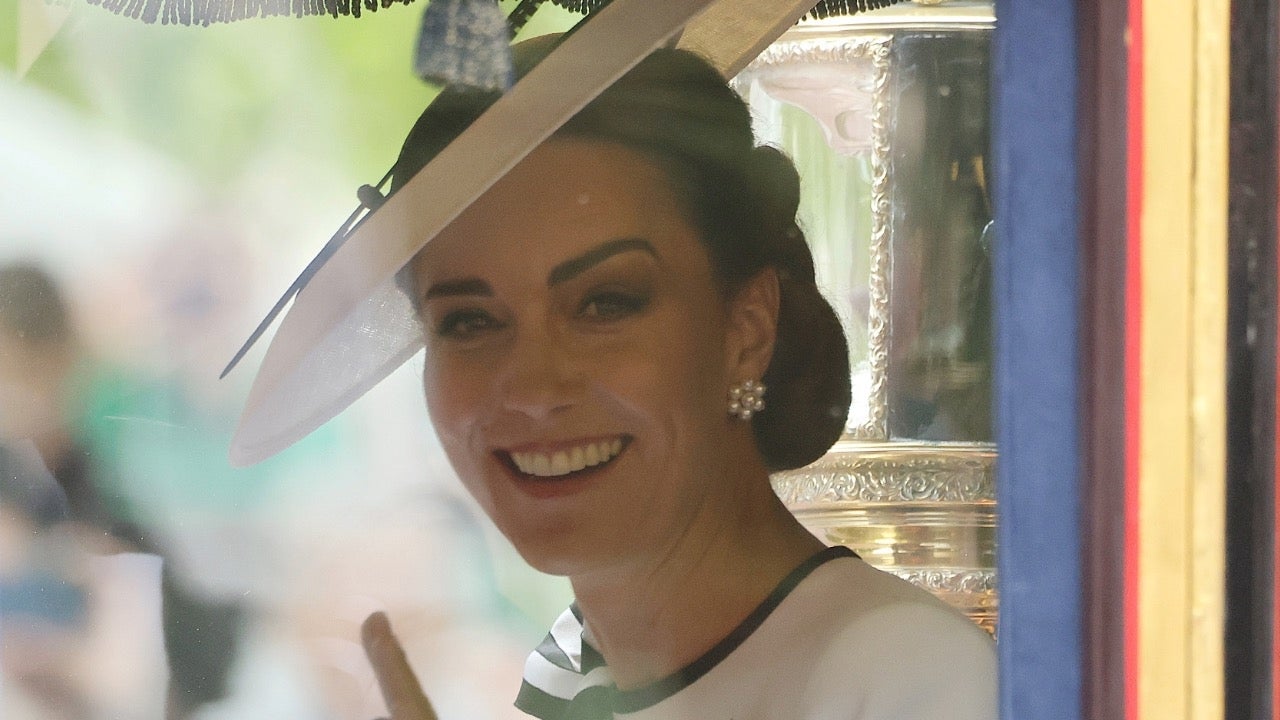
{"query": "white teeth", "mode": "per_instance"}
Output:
(559, 464)
(541, 465)
(563, 462)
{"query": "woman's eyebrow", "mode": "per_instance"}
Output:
(570, 269)
(466, 286)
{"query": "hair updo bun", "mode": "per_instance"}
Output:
(677, 110)
(808, 377)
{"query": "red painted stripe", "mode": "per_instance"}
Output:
(1133, 360)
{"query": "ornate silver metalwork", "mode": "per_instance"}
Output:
(817, 49)
(925, 512)
(950, 582)
(892, 473)
(844, 50)
(972, 591)
(877, 424)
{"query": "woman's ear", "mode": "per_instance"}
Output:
(753, 326)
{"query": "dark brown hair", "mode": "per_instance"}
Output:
(677, 110)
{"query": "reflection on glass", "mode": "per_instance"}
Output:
(821, 116)
(172, 181)
(940, 345)
(819, 101)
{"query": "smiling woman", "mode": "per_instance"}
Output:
(599, 326)
(608, 332)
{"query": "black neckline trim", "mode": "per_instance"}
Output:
(629, 701)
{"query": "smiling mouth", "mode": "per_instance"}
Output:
(567, 461)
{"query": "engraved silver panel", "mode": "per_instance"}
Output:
(858, 472)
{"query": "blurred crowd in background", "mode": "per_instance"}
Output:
(158, 187)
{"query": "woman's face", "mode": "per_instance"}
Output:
(578, 356)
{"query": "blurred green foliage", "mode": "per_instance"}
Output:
(211, 98)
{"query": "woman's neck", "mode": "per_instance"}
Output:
(658, 615)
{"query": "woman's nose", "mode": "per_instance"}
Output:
(539, 379)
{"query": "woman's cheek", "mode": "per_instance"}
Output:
(449, 392)
(453, 414)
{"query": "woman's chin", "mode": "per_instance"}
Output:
(569, 553)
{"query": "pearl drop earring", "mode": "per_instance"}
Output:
(746, 399)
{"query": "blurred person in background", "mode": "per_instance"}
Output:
(45, 377)
(43, 604)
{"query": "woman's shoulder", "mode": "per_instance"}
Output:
(914, 655)
(853, 588)
(847, 642)
(857, 607)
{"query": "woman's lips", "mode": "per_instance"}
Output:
(565, 460)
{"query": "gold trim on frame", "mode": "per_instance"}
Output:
(1181, 407)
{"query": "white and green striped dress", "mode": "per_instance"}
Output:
(836, 640)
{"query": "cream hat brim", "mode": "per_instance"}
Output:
(351, 326)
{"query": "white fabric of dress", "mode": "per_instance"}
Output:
(837, 640)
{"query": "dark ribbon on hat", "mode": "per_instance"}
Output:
(465, 43)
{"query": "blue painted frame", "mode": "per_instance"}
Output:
(1037, 357)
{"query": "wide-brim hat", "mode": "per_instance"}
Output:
(350, 324)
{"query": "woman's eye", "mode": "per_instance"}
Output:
(612, 305)
(462, 324)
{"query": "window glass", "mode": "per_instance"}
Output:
(160, 187)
